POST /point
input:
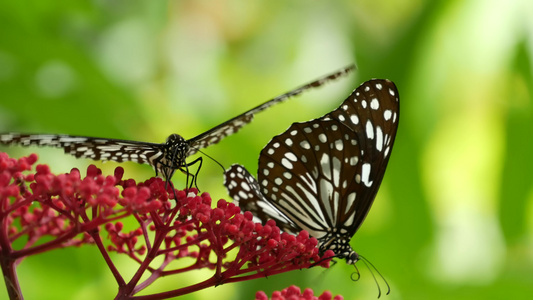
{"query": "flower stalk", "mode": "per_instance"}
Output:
(48, 212)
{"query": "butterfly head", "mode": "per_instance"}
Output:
(175, 139)
(340, 245)
(171, 157)
(351, 257)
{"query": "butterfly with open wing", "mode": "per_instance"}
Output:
(167, 157)
(322, 176)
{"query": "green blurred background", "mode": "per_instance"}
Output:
(453, 219)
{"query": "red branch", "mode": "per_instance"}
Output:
(50, 211)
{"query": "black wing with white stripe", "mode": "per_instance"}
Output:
(323, 175)
(162, 157)
(165, 158)
(233, 125)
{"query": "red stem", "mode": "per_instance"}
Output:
(116, 273)
(179, 292)
(10, 277)
(126, 291)
(8, 264)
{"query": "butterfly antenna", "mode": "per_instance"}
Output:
(356, 272)
(223, 169)
(368, 264)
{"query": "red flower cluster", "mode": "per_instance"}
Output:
(294, 293)
(72, 210)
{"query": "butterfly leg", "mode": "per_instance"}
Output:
(187, 187)
(199, 160)
(167, 172)
(173, 189)
(185, 170)
(168, 182)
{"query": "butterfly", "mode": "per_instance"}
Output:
(322, 175)
(166, 157)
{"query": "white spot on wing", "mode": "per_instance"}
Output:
(374, 104)
(379, 138)
(326, 191)
(350, 199)
(245, 186)
(242, 195)
(291, 156)
(288, 142)
(369, 130)
(325, 165)
(69, 139)
(305, 145)
(365, 174)
(286, 163)
(6, 137)
(339, 145)
(387, 114)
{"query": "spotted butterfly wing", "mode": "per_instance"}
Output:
(165, 158)
(231, 126)
(323, 175)
(244, 189)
